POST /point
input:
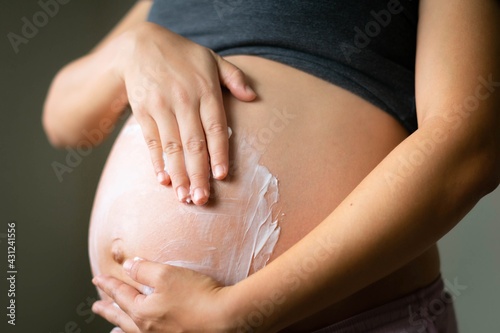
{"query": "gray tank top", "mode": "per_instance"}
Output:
(366, 47)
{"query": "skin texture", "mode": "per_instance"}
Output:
(454, 51)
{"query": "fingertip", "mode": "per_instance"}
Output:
(243, 92)
(127, 265)
(96, 280)
(250, 92)
(183, 194)
(200, 196)
(219, 172)
(235, 80)
(162, 178)
(96, 307)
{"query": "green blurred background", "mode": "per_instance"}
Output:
(53, 281)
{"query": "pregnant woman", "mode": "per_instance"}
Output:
(309, 195)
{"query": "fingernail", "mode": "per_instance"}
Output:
(147, 290)
(229, 132)
(198, 195)
(219, 171)
(127, 265)
(182, 193)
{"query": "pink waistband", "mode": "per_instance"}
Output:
(428, 309)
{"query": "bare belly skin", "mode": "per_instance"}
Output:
(318, 140)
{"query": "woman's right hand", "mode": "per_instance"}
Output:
(174, 89)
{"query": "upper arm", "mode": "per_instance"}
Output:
(457, 83)
(458, 49)
(137, 14)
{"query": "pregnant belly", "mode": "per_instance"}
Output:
(295, 154)
(231, 236)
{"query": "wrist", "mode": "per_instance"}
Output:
(246, 309)
(229, 311)
(114, 56)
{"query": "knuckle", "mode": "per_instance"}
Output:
(157, 101)
(218, 156)
(195, 146)
(181, 95)
(178, 177)
(215, 128)
(152, 143)
(205, 87)
(140, 110)
(236, 74)
(116, 292)
(198, 179)
(172, 147)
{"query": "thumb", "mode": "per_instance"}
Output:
(234, 79)
(143, 271)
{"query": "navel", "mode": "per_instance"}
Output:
(117, 251)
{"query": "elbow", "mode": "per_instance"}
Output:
(54, 116)
(51, 119)
(53, 138)
(487, 175)
(58, 132)
(50, 126)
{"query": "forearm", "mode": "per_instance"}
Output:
(401, 208)
(84, 94)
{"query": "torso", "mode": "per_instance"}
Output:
(327, 142)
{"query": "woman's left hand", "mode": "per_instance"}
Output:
(173, 299)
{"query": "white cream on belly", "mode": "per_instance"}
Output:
(230, 237)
